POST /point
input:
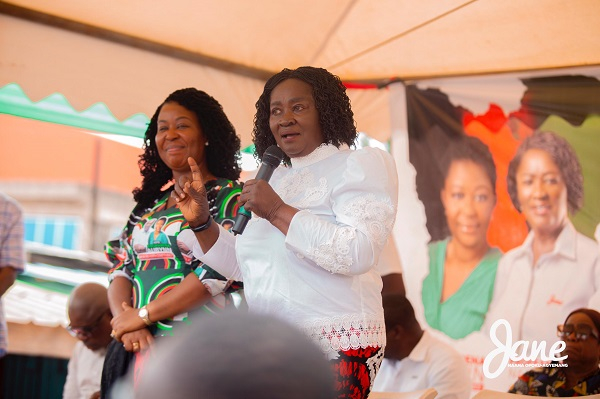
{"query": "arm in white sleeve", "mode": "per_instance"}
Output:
(70, 389)
(221, 257)
(451, 379)
(364, 204)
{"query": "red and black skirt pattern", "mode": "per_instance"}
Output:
(355, 371)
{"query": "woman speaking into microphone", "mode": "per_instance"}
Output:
(308, 253)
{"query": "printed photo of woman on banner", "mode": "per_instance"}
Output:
(462, 267)
(508, 177)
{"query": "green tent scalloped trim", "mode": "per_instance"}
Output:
(249, 150)
(56, 109)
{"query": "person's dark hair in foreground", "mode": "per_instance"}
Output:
(238, 355)
(581, 376)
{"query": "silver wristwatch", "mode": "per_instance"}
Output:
(143, 313)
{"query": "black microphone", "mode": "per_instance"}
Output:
(270, 161)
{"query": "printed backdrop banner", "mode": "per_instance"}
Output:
(499, 111)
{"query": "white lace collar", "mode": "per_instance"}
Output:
(321, 152)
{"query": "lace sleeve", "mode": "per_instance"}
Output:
(364, 204)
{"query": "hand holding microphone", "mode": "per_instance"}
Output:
(270, 161)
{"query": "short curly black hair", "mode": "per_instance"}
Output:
(335, 113)
(222, 155)
(472, 149)
(564, 157)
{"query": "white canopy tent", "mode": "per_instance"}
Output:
(130, 55)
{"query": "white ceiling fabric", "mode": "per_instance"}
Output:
(359, 40)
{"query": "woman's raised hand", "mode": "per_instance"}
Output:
(191, 196)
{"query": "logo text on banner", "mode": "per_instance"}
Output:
(518, 351)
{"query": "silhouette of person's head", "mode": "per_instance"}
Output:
(238, 355)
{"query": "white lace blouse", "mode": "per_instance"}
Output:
(320, 276)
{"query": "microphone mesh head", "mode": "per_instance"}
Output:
(273, 156)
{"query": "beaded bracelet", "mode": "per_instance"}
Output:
(202, 227)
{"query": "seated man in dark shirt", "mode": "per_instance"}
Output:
(581, 376)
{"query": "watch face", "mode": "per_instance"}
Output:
(143, 312)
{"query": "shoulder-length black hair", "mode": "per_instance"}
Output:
(222, 155)
(335, 113)
(469, 148)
